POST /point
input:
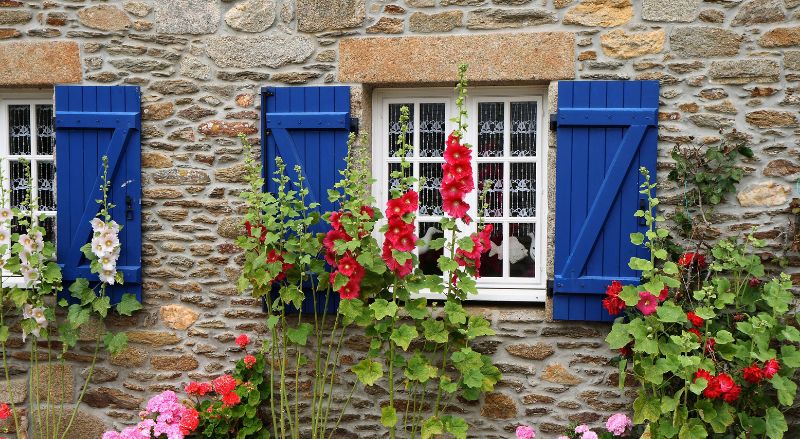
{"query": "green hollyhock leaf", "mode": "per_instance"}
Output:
(434, 331)
(478, 327)
(431, 427)
(630, 295)
(698, 386)
(455, 312)
(466, 243)
(368, 371)
(447, 264)
(383, 308)
(693, 430)
(640, 264)
(786, 389)
(299, 335)
(790, 333)
(722, 419)
(349, 309)
(724, 337)
(128, 305)
(419, 369)
(619, 336)
(417, 309)
(101, 305)
(668, 312)
(705, 312)
(78, 315)
(404, 335)
(670, 267)
(115, 343)
(777, 295)
(456, 426)
(645, 409)
(637, 238)
(790, 356)
(776, 423)
(388, 416)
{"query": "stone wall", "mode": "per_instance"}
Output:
(722, 64)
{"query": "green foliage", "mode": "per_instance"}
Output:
(745, 323)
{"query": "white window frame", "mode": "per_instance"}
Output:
(32, 99)
(489, 289)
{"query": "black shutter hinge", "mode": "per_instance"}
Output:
(268, 92)
(128, 208)
(549, 287)
(268, 132)
(553, 122)
(354, 122)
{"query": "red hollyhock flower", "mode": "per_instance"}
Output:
(368, 210)
(662, 296)
(690, 258)
(753, 374)
(457, 171)
(411, 200)
(5, 412)
(702, 373)
(197, 388)
(408, 203)
(336, 220)
(648, 303)
(190, 419)
(612, 303)
(732, 394)
(224, 384)
(712, 390)
(248, 228)
(695, 319)
(249, 361)
(456, 188)
(486, 235)
(274, 257)
(695, 332)
(350, 290)
(243, 340)
(348, 265)
(626, 351)
(754, 282)
(396, 229)
(230, 399)
(400, 270)
(771, 367)
(455, 152)
(455, 207)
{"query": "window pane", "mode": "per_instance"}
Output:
(522, 190)
(394, 182)
(430, 197)
(431, 130)
(46, 183)
(19, 182)
(19, 129)
(523, 129)
(45, 132)
(394, 128)
(429, 259)
(492, 261)
(49, 224)
(522, 249)
(490, 129)
(491, 174)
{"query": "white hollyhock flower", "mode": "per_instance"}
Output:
(24, 258)
(109, 262)
(113, 227)
(37, 314)
(38, 241)
(98, 226)
(27, 242)
(29, 274)
(27, 311)
(5, 237)
(6, 215)
(108, 276)
(108, 242)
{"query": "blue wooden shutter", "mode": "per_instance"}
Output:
(92, 122)
(607, 130)
(309, 127)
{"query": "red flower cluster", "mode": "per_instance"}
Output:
(225, 386)
(690, 258)
(190, 419)
(249, 361)
(612, 303)
(399, 233)
(481, 243)
(695, 319)
(249, 229)
(457, 181)
(662, 296)
(754, 374)
(274, 257)
(721, 385)
(345, 265)
(242, 340)
(5, 411)
(198, 389)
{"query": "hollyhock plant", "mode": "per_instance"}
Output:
(692, 354)
(612, 303)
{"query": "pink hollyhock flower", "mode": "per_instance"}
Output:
(583, 428)
(525, 432)
(647, 303)
(243, 340)
(618, 424)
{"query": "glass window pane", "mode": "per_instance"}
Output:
(523, 129)
(522, 190)
(492, 261)
(490, 129)
(19, 129)
(45, 131)
(20, 172)
(46, 183)
(428, 258)
(49, 224)
(394, 182)
(394, 127)
(430, 196)
(522, 249)
(491, 174)
(431, 130)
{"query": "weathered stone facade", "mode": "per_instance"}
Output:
(200, 63)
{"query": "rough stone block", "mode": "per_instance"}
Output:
(43, 63)
(194, 17)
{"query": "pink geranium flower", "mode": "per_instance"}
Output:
(525, 432)
(647, 303)
(618, 424)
